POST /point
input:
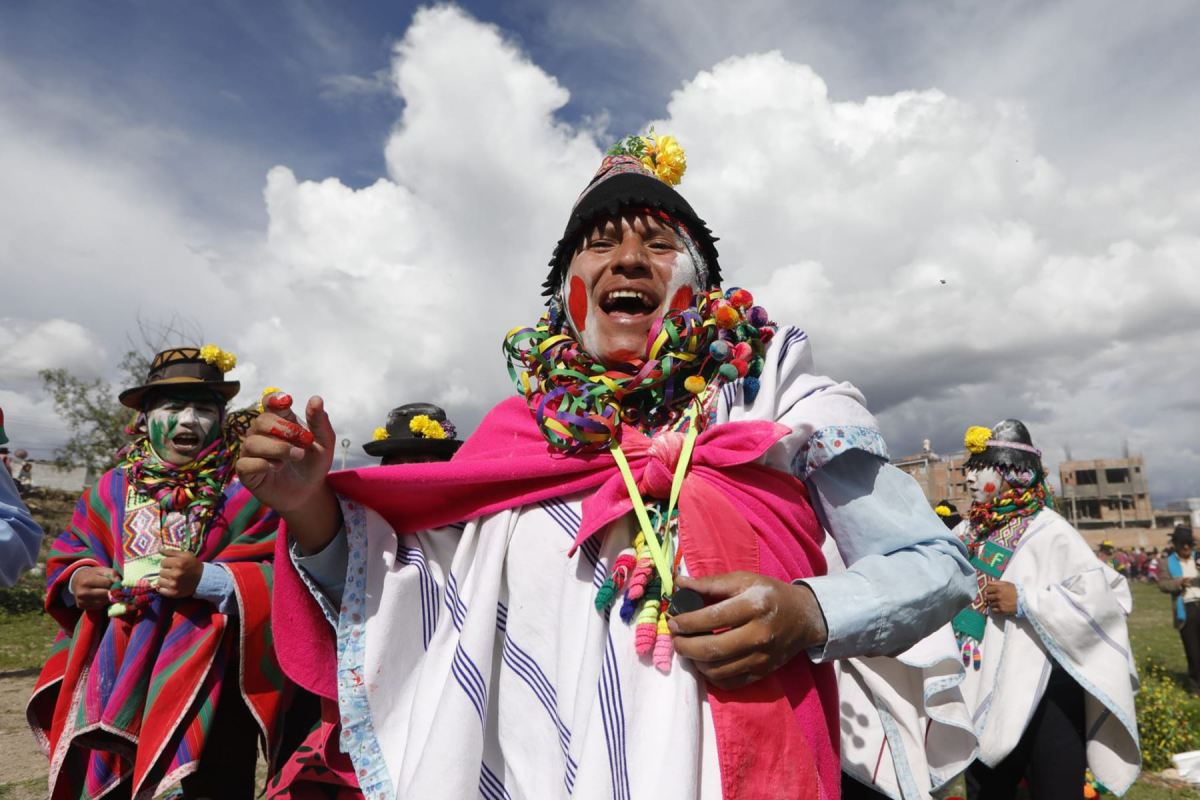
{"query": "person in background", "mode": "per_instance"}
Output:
(1050, 684)
(20, 536)
(163, 676)
(1182, 582)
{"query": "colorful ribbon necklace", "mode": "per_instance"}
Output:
(580, 404)
(195, 489)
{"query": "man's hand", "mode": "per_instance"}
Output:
(90, 587)
(179, 574)
(284, 465)
(752, 627)
(1001, 597)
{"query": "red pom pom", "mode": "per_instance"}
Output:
(741, 298)
(742, 351)
(742, 368)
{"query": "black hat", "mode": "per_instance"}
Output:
(1182, 535)
(625, 181)
(412, 430)
(186, 367)
(1006, 445)
(948, 513)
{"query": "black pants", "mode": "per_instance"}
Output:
(227, 765)
(853, 790)
(1050, 754)
(1190, 634)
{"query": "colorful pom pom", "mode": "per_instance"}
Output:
(720, 350)
(728, 371)
(694, 384)
(740, 298)
(741, 366)
(726, 316)
(750, 389)
(758, 316)
(742, 351)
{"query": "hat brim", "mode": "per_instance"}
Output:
(433, 447)
(132, 398)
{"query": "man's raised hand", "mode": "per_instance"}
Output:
(283, 463)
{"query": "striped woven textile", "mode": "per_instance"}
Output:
(133, 698)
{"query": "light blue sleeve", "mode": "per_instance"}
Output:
(906, 574)
(324, 573)
(20, 536)
(216, 586)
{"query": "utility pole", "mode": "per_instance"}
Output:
(345, 449)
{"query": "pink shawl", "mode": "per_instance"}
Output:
(777, 738)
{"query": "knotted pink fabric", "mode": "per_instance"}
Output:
(776, 738)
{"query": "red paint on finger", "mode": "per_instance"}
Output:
(279, 401)
(291, 432)
(577, 303)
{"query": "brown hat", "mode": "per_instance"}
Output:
(186, 366)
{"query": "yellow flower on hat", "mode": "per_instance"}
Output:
(379, 434)
(977, 438)
(426, 428)
(221, 359)
(670, 162)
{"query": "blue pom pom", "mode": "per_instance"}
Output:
(627, 609)
(750, 389)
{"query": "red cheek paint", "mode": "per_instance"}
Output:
(577, 304)
(990, 488)
(682, 299)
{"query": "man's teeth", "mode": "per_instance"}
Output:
(629, 294)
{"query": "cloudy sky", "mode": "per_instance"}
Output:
(976, 209)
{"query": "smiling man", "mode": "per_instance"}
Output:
(615, 588)
(163, 673)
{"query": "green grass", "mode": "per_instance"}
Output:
(25, 640)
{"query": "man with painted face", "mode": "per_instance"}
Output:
(1050, 676)
(164, 673)
(616, 586)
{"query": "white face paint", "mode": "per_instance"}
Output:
(181, 425)
(985, 484)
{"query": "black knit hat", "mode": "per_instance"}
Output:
(1006, 445)
(625, 182)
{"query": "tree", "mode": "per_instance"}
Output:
(90, 409)
(91, 412)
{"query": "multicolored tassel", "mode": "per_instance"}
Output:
(612, 586)
(663, 649)
(647, 628)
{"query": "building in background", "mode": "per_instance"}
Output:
(940, 477)
(1105, 493)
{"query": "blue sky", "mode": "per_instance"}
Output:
(278, 168)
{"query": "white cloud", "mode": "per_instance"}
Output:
(1068, 300)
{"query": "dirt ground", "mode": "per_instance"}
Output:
(22, 765)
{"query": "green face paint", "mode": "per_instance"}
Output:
(181, 424)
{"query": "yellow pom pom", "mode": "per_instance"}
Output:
(977, 438)
(379, 434)
(694, 384)
(210, 353)
(942, 511)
